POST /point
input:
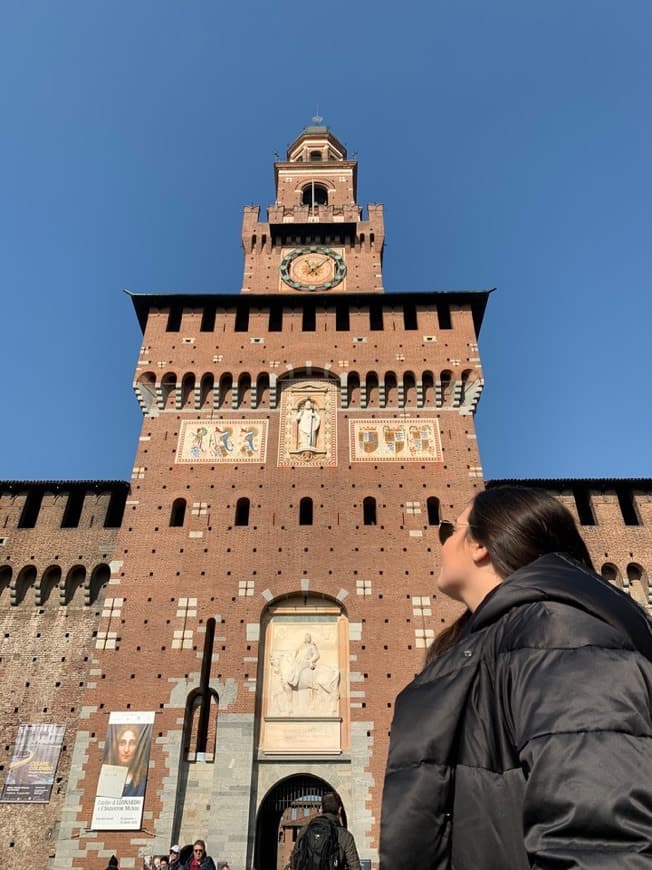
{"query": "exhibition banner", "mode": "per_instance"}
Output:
(33, 764)
(120, 792)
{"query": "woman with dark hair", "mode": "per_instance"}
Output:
(526, 741)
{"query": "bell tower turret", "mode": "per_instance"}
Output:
(316, 237)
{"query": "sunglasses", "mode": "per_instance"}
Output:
(446, 529)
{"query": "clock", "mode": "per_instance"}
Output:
(313, 268)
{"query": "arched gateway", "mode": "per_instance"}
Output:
(288, 806)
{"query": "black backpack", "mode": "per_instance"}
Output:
(318, 848)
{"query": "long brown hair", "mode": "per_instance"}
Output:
(517, 524)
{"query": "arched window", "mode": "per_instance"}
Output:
(242, 512)
(446, 379)
(314, 194)
(369, 511)
(147, 390)
(262, 390)
(24, 581)
(6, 574)
(178, 512)
(409, 389)
(433, 510)
(428, 381)
(353, 389)
(390, 389)
(305, 512)
(466, 382)
(49, 582)
(206, 387)
(99, 581)
(638, 585)
(244, 389)
(168, 389)
(372, 388)
(226, 388)
(74, 580)
(611, 574)
(187, 390)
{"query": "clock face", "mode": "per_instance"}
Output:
(313, 268)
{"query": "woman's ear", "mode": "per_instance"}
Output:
(479, 554)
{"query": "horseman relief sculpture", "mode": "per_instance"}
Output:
(302, 686)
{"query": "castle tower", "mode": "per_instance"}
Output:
(273, 583)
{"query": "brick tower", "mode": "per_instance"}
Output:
(273, 583)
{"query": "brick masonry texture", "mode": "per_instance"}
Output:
(122, 624)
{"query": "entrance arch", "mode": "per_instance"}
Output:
(286, 808)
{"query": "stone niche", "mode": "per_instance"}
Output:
(305, 685)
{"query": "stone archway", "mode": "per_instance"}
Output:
(285, 809)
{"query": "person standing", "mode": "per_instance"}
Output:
(199, 860)
(526, 741)
(174, 856)
(315, 838)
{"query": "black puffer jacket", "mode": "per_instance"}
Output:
(529, 744)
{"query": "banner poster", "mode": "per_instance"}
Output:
(120, 793)
(34, 764)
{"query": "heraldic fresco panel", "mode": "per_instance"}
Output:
(383, 439)
(308, 423)
(223, 440)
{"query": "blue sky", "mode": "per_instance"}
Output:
(509, 142)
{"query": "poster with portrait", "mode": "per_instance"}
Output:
(120, 793)
(33, 764)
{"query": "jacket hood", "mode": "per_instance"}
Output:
(557, 577)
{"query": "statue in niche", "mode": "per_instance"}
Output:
(303, 687)
(308, 423)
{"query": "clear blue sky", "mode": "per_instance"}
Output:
(509, 141)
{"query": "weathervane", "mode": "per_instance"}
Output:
(317, 118)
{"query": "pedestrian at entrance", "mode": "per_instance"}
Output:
(199, 860)
(526, 740)
(324, 842)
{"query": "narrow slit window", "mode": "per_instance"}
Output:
(72, 513)
(174, 319)
(584, 507)
(305, 512)
(433, 510)
(410, 316)
(242, 512)
(208, 319)
(31, 508)
(444, 315)
(275, 317)
(342, 318)
(369, 511)
(376, 317)
(309, 323)
(178, 512)
(628, 508)
(242, 318)
(115, 509)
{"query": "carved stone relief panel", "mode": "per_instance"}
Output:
(308, 423)
(304, 683)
